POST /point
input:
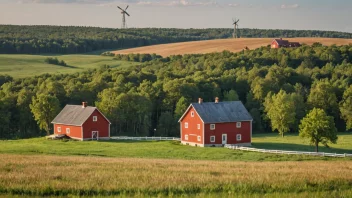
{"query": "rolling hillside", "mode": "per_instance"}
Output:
(233, 45)
(19, 66)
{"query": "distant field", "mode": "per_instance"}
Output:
(19, 66)
(173, 150)
(96, 176)
(233, 45)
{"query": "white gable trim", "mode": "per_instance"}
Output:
(187, 112)
(91, 115)
(103, 115)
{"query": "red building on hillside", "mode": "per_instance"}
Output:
(82, 123)
(279, 43)
(216, 124)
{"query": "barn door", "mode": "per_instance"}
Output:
(224, 138)
(95, 135)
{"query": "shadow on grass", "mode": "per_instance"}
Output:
(297, 147)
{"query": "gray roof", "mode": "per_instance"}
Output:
(232, 111)
(74, 115)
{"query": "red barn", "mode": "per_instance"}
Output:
(278, 43)
(82, 123)
(216, 124)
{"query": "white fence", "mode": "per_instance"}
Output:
(288, 152)
(144, 138)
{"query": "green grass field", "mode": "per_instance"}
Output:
(292, 142)
(40, 167)
(172, 150)
(19, 65)
(39, 175)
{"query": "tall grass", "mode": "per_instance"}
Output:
(87, 176)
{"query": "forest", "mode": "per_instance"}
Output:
(72, 40)
(154, 94)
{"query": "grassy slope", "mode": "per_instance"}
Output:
(295, 143)
(57, 175)
(169, 150)
(219, 45)
(20, 66)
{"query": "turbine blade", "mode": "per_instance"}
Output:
(120, 8)
(126, 7)
(127, 13)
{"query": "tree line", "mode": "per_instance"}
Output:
(16, 39)
(279, 87)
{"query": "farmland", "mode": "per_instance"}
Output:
(172, 150)
(233, 45)
(49, 175)
(20, 66)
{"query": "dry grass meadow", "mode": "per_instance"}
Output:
(233, 45)
(95, 176)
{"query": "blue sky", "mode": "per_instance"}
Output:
(261, 14)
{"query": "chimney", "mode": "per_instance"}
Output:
(200, 100)
(84, 104)
(216, 100)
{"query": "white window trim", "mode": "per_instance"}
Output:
(238, 124)
(59, 129)
(212, 126)
(68, 130)
(186, 125)
(186, 137)
(198, 138)
(239, 139)
(198, 126)
(95, 118)
(212, 137)
(192, 114)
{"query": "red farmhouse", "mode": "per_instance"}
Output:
(279, 43)
(216, 124)
(82, 123)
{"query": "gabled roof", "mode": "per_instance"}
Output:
(74, 115)
(211, 112)
(281, 42)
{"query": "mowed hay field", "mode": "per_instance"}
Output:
(58, 175)
(19, 65)
(233, 45)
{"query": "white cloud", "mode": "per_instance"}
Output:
(293, 6)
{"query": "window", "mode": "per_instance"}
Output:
(95, 118)
(198, 138)
(192, 113)
(238, 137)
(68, 130)
(238, 124)
(198, 126)
(186, 137)
(186, 125)
(59, 129)
(212, 126)
(212, 138)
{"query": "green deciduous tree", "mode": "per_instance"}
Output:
(231, 95)
(281, 111)
(181, 107)
(346, 107)
(318, 128)
(322, 95)
(45, 108)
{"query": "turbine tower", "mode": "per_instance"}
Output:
(123, 12)
(235, 23)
